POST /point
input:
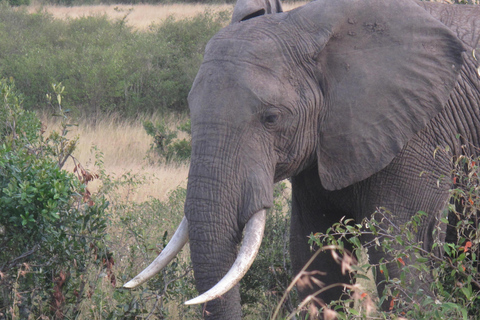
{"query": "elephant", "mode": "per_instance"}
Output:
(349, 99)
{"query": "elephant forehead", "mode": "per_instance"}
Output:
(256, 63)
(234, 85)
(245, 67)
(262, 53)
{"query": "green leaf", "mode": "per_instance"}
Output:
(422, 259)
(354, 312)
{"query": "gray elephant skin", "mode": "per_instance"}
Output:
(347, 98)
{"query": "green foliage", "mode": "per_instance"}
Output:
(15, 121)
(32, 190)
(175, 284)
(16, 3)
(106, 65)
(166, 144)
(50, 227)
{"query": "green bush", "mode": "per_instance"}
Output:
(105, 65)
(17, 3)
(169, 57)
(166, 144)
(150, 232)
(51, 229)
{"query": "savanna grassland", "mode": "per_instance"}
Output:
(126, 148)
(139, 16)
(124, 142)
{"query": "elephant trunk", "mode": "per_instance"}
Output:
(217, 209)
(250, 246)
(214, 236)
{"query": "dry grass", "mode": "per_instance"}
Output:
(125, 144)
(140, 16)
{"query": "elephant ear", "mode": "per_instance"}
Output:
(247, 9)
(385, 68)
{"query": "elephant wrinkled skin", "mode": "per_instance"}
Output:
(350, 100)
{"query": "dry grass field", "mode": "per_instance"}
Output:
(140, 16)
(125, 146)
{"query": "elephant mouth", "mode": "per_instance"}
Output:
(252, 240)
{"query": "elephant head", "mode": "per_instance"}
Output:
(338, 85)
(247, 9)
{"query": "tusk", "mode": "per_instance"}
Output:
(250, 246)
(179, 239)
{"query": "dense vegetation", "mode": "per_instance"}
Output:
(51, 228)
(106, 66)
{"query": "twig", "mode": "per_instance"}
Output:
(24, 255)
(312, 296)
(299, 275)
(165, 287)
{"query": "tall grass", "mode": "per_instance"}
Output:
(138, 16)
(125, 146)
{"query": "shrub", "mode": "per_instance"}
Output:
(169, 57)
(166, 144)
(51, 228)
(175, 283)
(105, 65)
(17, 3)
(140, 232)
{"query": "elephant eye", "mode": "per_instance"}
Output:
(271, 116)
